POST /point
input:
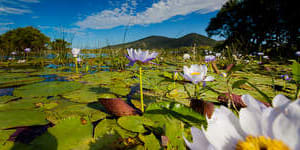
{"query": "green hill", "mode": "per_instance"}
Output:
(157, 42)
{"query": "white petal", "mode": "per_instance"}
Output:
(250, 121)
(286, 126)
(253, 103)
(209, 78)
(199, 140)
(224, 130)
(280, 100)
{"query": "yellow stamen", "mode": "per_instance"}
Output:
(195, 73)
(261, 143)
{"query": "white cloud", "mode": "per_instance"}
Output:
(158, 12)
(11, 10)
(6, 23)
(30, 1)
(17, 7)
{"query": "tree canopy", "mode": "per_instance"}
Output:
(59, 44)
(20, 38)
(254, 25)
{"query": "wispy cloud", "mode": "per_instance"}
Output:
(17, 7)
(30, 1)
(158, 12)
(11, 10)
(6, 23)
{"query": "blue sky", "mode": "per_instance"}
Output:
(93, 23)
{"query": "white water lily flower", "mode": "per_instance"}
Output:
(139, 55)
(260, 53)
(218, 54)
(186, 56)
(266, 57)
(196, 74)
(210, 58)
(258, 127)
(79, 59)
(75, 52)
(297, 53)
(14, 53)
(27, 50)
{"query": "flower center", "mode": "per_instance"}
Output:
(195, 73)
(261, 143)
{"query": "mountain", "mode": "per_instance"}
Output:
(157, 42)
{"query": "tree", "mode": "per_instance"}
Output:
(250, 25)
(59, 44)
(21, 38)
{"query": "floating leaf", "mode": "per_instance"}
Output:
(14, 118)
(134, 123)
(46, 89)
(151, 142)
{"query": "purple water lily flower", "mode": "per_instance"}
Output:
(286, 77)
(27, 50)
(140, 56)
(14, 53)
(210, 58)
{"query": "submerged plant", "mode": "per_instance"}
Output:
(258, 127)
(141, 57)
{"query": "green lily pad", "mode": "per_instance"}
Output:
(14, 118)
(89, 94)
(20, 81)
(70, 133)
(151, 142)
(46, 89)
(160, 112)
(110, 127)
(134, 123)
(67, 109)
(174, 130)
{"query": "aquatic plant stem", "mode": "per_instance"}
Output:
(76, 65)
(141, 90)
(210, 66)
(260, 59)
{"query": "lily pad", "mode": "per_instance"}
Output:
(89, 94)
(151, 142)
(134, 123)
(160, 112)
(14, 118)
(110, 127)
(46, 89)
(70, 133)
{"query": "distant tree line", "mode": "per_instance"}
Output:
(271, 26)
(29, 37)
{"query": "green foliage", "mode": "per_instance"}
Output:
(21, 38)
(271, 26)
(59, 44)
